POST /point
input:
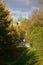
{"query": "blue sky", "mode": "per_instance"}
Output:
(21, 7)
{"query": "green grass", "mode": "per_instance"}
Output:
(24, 56)
(19, 56)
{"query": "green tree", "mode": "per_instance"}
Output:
(7, 31)
(25, 27)
(36, 31)
(8, 36)
(20, 18)
(22, 36)
(5, 23)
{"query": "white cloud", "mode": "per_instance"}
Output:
(16, 14)
(21, 7)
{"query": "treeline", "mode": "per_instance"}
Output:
(30, 30)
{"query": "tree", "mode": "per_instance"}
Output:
(5, 22)
(8, 36)
(36, 31)
(7, 31)
(20, 18)
(25, 27)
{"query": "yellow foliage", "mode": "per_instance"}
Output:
(15, 27)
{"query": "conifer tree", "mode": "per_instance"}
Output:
(8, 35)
(5, 23)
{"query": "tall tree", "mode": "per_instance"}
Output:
(8, 35)
(5, 23)
(36, 31)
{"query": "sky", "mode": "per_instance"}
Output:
(21, 7)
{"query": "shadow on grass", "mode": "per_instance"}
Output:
(19, 56)
(27, 57)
